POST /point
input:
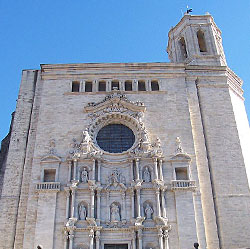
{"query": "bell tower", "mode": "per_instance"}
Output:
(196, 40)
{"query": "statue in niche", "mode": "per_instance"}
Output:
(115, 213)
(84, 175)
(148, 212)
(82, 212)
(146, 175)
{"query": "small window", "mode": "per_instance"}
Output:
(183, 47)
(128, 85)
(181, 173)
(201, 41)
(154, 85)
(88, 86)
(102, 86)
(49, 175)
(75, 86)
(141, 85)
(115, 85)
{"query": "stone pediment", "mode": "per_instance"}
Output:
(50, 159)
(180, 157)
(115, 102)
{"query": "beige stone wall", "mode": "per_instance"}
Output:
(200, 112)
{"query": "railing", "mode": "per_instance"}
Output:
(183, 184)
(48, 186)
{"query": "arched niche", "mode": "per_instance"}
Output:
(83, 210)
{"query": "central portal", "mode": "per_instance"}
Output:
(115, 246)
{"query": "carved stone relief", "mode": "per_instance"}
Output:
(82, 211)
(146, 175)
(84, 176)
(114, 212)
(148, 210)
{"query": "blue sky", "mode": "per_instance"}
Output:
(42, 32)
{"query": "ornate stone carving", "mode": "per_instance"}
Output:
(179, 149)
(148, 211)
(146, 175)
(156, 147)
(52, 145)
(114, 212)
(84, 176)
(70, 224)
(84, 148)
(75, 149)
(82, 211)
(116, 177)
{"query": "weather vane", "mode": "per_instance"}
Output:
(189, 10)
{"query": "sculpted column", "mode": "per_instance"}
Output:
(92, 202)
(98, 211)
(74, 170)
(107, 206)
(99, 170)
(163, 202)
(155, 168)
(73, 194)
(160, 169)
(97, 239)
(139, 235)
(160, 236)
(132, 170)
(71, 239)
(138, 200)
(91, 239)
(133, 239)
(65, 240)
(123, 213)
(93, 170)
(166, 239)
(67, 192)
(137, 161)
(69, 172)
(132, 195)
(158, 206)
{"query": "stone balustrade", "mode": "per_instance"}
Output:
(48, 186)
(183, 185)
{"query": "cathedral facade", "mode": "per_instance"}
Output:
(131, 155)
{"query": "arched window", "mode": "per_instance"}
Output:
(201, 41)
(128, 85)
(75, 86)
(115, 85)
(88, 86)
(183, 47)
(102, 86)
(141, 85)
(154, 85)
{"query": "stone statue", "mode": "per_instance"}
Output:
(115, 215)
(178, 146)
(148, 212)
(146, 175)
(84, 176)
(85, 137)
(82, 212)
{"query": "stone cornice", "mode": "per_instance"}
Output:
(111, 70)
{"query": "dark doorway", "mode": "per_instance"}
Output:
(116, 246)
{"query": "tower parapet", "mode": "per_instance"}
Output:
(196, 40)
